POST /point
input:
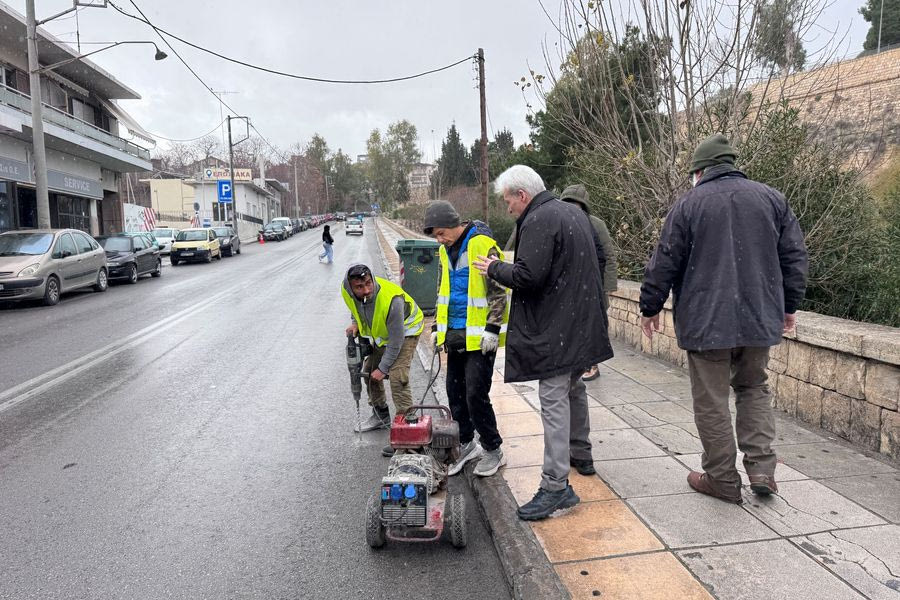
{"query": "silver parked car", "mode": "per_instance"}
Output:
(164, 237)
(45, 263)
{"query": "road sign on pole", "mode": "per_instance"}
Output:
(226, 194)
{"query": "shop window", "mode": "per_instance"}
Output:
(6, 207)
(74, 213)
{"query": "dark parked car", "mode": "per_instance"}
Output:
(130, 256)
(275, 231)
(228, 240)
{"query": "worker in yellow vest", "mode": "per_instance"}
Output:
(470, 325)
(392, 322)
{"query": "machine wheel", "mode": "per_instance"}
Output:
(374, 526)
(455, 520)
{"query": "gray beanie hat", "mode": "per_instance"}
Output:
(440, 214)
(576, 194)
(714, 150)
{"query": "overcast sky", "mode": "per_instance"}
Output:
(344, 39)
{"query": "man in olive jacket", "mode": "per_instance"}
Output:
(732, 253)
(556, 325)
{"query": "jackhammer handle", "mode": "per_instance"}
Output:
(438, 407)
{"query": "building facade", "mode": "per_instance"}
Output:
(90, 141)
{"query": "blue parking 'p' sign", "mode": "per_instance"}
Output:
(225, 193)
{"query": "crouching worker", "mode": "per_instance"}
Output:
(392, 322)
(470, 326)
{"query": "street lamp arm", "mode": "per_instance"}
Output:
(159, 55)
(57, 15)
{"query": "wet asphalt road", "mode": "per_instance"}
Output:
(190, 437)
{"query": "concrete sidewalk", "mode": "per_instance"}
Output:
(640, 532)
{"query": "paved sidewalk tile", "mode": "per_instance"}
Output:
(622, 443)
(803, 507)
(524, 451)
(673, 438)
(868, 558)
(603, 418)
(879, 493)
(594, 530)
(502, 389)
(830, 460)
(636, 477)
(520, 424)
(693, 519)
(636, 416)
(524, 482)
(655, 576)
(626, 393)
(646, 371)
(782, 471)
(667, 411)
(504, 405)
(788, 432)
(770, 569)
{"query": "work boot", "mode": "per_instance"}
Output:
(545, 503)
(468, 452)
(490, 462)
(762, 485)
(704, 484)
(380, 419)
(584, 466)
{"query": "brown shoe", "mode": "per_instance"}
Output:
(763, 485)
(591, 374)
(703, 484)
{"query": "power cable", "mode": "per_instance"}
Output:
(199, 137)
(282, 73)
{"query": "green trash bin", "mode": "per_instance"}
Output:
(419, 270)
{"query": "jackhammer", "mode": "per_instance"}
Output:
(358, 348)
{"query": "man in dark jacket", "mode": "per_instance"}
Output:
(556, 325)
(732, 253)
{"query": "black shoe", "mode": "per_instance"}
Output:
(387, 451)
(584, 466)
(545, 503)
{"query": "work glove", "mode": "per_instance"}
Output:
(489, 342)
(434, 343)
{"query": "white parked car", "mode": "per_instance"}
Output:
(288, 225)
(354, 226)
(165, 236)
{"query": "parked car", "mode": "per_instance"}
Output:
(130, 256)
(354, 226)
(165, 236)
(197, 243)
(304, 224)
(228, 240)
(274, 231)
(147, 235)
(45, 263)
(286, 223)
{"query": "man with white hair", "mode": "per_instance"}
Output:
(556, 325)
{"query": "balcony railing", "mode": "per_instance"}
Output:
(53, 115)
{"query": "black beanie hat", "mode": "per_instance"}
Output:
(714, 150)
(440, 214)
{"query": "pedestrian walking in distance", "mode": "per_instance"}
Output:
(557, 328)
(392, 322)
(470, 325)
(327, 254)
(732, 253)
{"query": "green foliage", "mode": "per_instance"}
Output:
(389, 157)
(455, 164)
(890, 29)
(777, 42)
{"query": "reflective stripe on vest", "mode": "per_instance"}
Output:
(377, 330)
(478, 307)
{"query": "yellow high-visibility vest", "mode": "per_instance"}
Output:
(477, 309)
(377, 331)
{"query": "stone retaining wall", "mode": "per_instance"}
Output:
(842, 376)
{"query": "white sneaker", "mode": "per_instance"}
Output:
(490, 463)
(470, 451)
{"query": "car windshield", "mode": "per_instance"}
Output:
(162, 232)
(274, 226)
(192, 236)
(116, 244)
(25, 244)
(222, 231)
(354, 222)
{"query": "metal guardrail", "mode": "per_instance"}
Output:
(53, 115)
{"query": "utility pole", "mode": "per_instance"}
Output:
(880, 20)
(296, 190)
(484, 142)
(231, 176)
(37, 121)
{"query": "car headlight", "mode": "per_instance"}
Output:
(112, 264)
(29, 270)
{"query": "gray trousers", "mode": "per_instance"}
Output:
(744, 369)
(567, 425)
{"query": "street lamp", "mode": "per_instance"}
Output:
(37, 117)
(160, 55)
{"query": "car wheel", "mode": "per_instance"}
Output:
(238, 251)
(209, 257)
(219, 255)
(102, 281)
(174, 262)
(132, 274)
(51, 291)
(158, 270)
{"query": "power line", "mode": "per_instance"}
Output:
(282, 73)
(199, 137)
